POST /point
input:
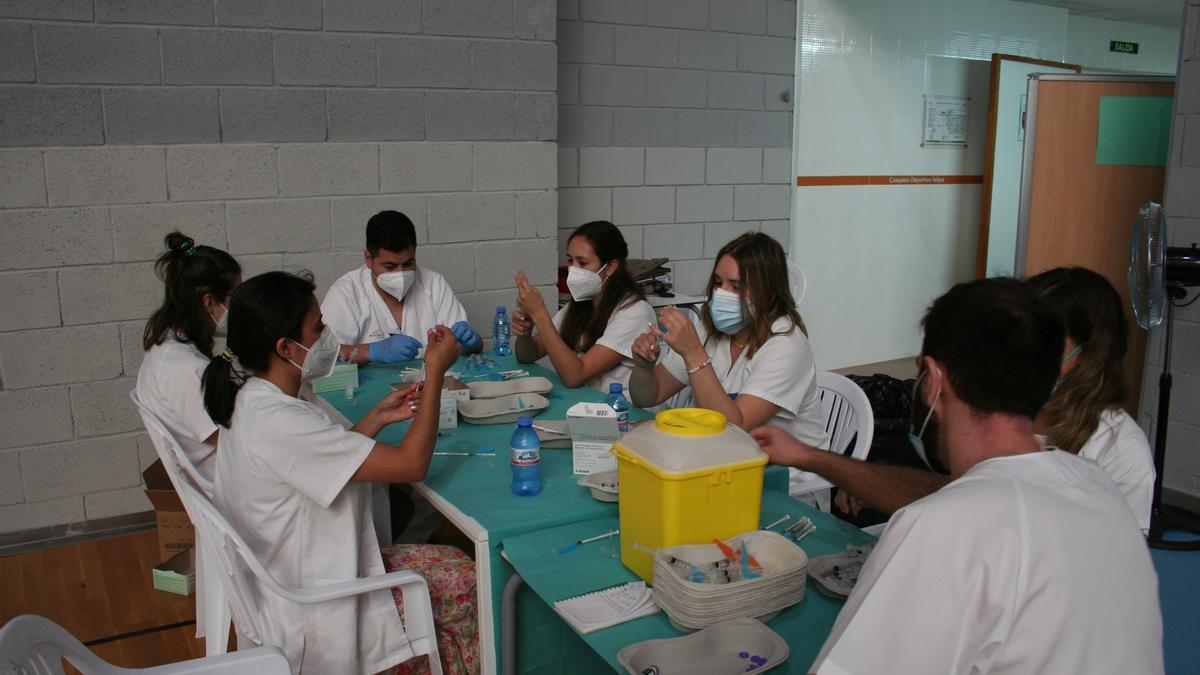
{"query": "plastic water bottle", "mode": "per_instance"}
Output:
(526, 459)
(501, 331)
(618, 402)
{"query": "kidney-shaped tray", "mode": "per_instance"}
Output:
(729, 647)
(502, 410)
(524, 385)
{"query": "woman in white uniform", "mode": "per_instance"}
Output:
(590, 340)
(178, 340)
(1084, 415)
(295, 485)
(749, 358)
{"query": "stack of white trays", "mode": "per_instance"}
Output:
(692, 606)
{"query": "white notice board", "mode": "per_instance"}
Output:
(945, 121)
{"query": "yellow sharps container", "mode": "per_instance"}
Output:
(688, 478)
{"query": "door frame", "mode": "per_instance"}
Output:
(1031, 142)
(989, 148)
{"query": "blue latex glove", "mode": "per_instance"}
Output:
(466, 335)
(394, 349)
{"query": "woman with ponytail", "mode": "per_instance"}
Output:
(1084, 415)
(590, 340)
(296, 485)
(178, 340)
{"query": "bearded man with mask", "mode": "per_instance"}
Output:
(382, 311)
(1028, 559)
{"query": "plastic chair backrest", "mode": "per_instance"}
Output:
(212, 608)
(181, 457)
(232, 556)
(797, 283)
(847, 413)
(36, 645)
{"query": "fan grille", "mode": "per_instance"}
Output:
(1147, 253)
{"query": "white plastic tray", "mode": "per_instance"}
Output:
(502, 410)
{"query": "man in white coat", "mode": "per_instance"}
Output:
(382, 310)
(1029, 560)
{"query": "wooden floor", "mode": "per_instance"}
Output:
(101, 590)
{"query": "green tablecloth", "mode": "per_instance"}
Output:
(479, 486)
(598, 565)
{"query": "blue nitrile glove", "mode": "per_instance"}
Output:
(394, 349)
(466, 335)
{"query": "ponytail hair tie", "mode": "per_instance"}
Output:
(227, 355)
(188, 248)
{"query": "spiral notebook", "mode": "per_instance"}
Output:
(607, 607)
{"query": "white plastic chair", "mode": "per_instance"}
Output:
(36, 645)
(233, 557)
(212, 607)
(848, 415)
(797, 282)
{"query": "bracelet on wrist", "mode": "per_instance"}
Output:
(707, 363)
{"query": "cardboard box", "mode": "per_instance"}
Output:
(453, 391)
(343, 374)
(175, 531)
(177, 575)
(593, 429)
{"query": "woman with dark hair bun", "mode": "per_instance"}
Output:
(178, 340)
(590, 340)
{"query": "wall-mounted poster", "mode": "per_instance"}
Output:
(945, 121)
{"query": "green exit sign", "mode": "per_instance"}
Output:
(1122, 47)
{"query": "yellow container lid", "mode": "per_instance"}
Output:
(687, 441)
(690, 422)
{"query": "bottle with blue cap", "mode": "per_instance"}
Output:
(526, 459)
(501, 332)
(618, 402)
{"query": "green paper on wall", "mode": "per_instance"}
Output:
(1134, 130)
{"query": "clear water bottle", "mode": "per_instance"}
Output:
(618, 402)
(501, 332)
(526, 459)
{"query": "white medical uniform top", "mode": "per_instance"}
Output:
(1026, 564)
(1120, 448)
(283, 481)
(782, 372)
(625, 324)
(168, 383)
(358, 315)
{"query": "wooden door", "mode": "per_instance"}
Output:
(1079, 212)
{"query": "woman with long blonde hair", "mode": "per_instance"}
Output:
(749, 358)
(1084, 415)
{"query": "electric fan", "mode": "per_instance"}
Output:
(1158, 279)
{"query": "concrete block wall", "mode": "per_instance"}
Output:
(679, 203)
(270, 128)
(675, 122)
(1181, 200)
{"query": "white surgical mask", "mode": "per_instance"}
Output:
(222, 329)
(397, 284)
(583, 283)
(726, 311)
(916, 439)
(322, 356)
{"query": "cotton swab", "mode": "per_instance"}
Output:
(567, 548)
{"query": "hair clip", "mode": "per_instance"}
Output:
(227, 355)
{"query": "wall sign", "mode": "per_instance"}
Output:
(945, 121)
(1122, 47)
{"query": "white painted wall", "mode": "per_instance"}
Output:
(1088, 38)
(876, 256)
